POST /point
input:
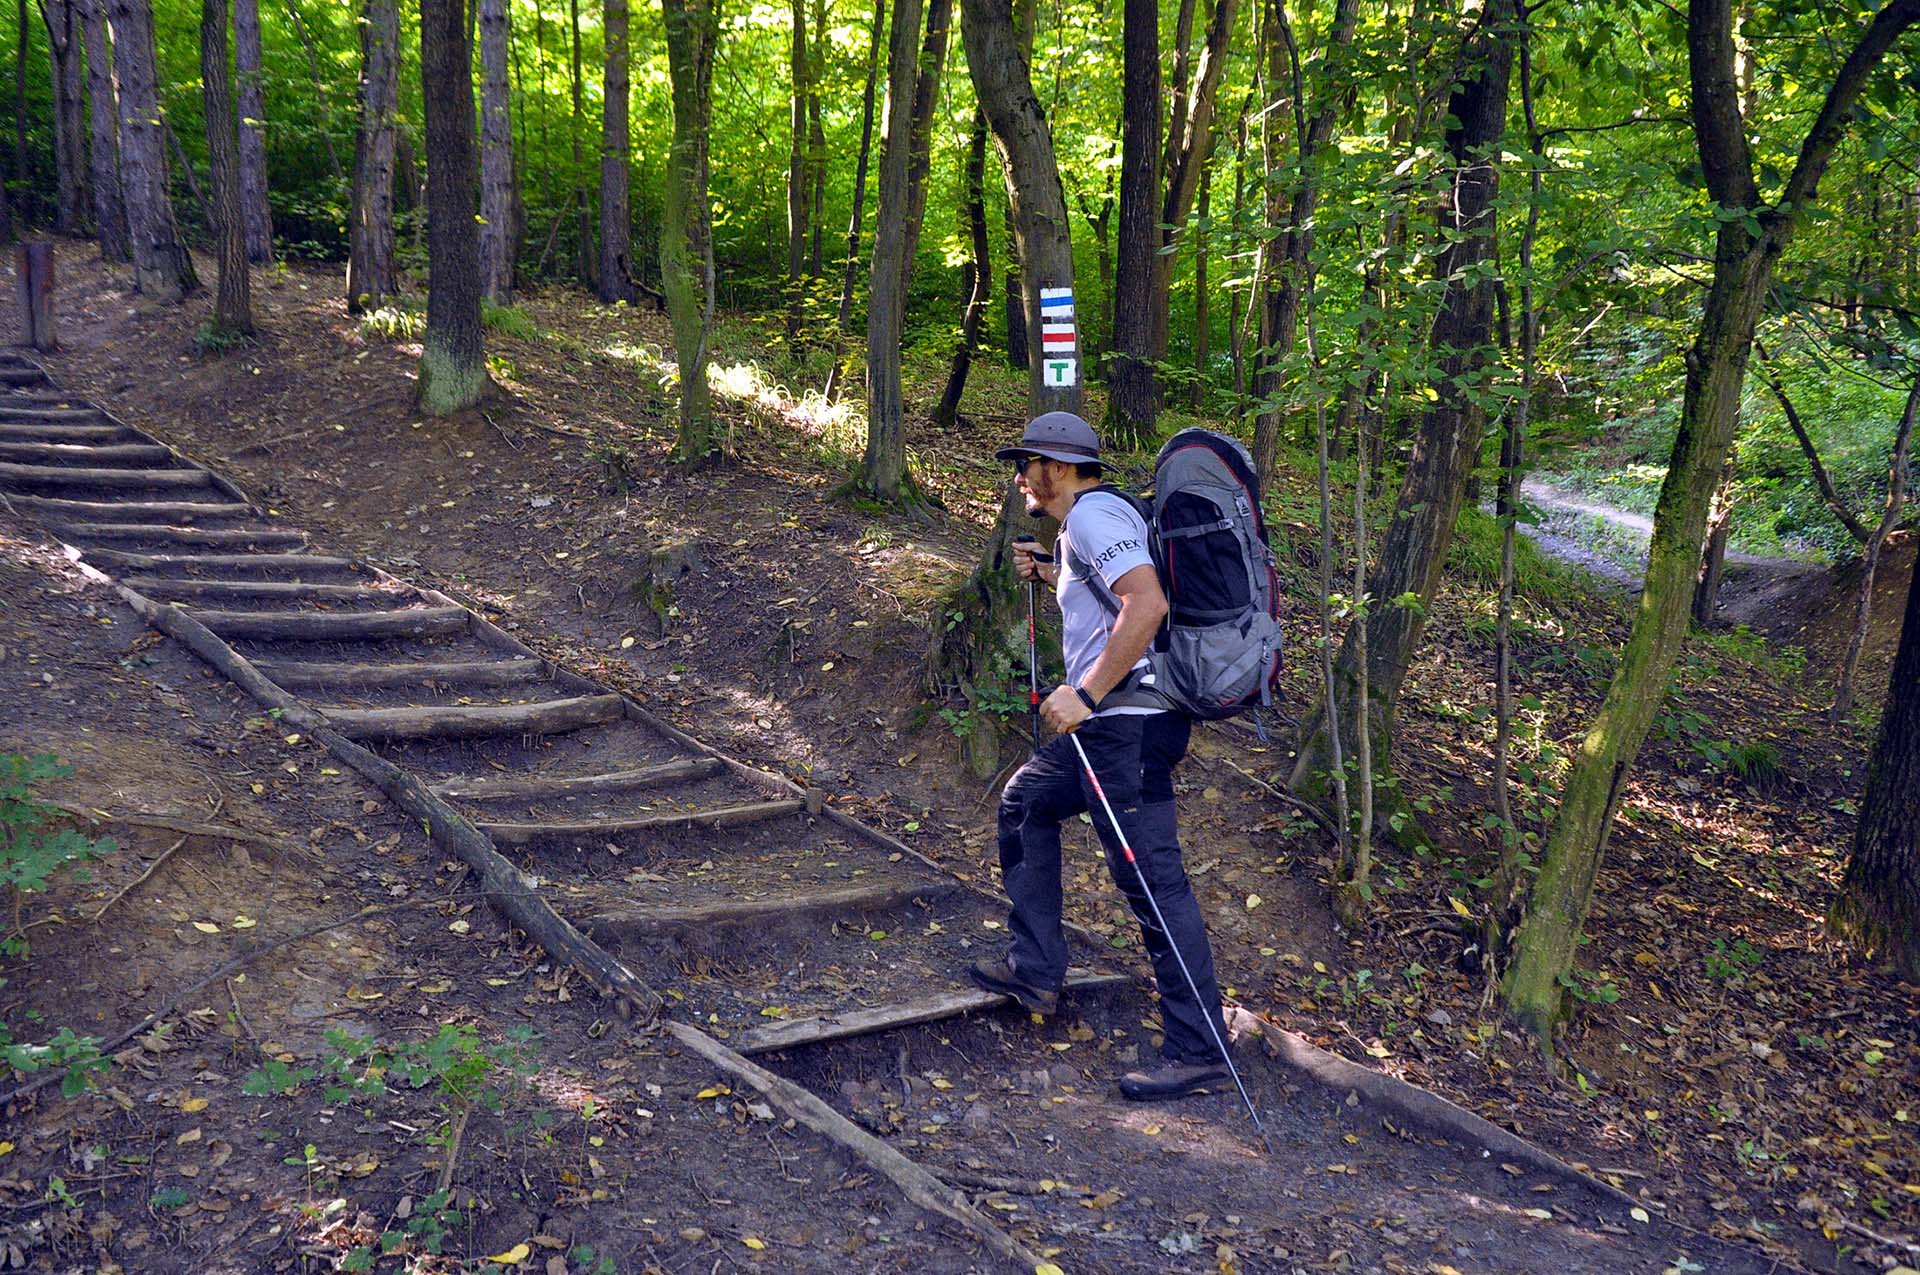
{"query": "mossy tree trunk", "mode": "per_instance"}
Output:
(686, 231)
(1133, 382)
(453, 358)
(1749, 242)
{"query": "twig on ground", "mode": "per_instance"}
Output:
(509, 439)
(1010, 1186)
(1306, 808)
(138, 881)
(141, 819)
(239, 1018)
(456, 1132)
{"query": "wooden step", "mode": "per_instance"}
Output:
(520, 834)
(298, 565)
(151, 510)
(176, 587)
(552, 717)
(49, 415)
(641, 920)
(18, 375)
(792, 1033)
(342, 626)
(298, 675)
(536, 789)
(19, 433)
(162, 533)
(85, 453)
(117, 479)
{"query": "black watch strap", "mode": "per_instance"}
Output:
(1093, 705)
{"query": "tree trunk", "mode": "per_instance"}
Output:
(253, 131)
(1745, 251)
(926, 100)
(1713, 561)
(884, 468)
(1001, 82)
(1189, 147)
(686, 234)
(817, 141)
(1837, 506)
(859, 191)
(22, 170)
(1202, 300)
(1288, 256)
(587, 257)
(616, 165)
(1448, 447)
(1879, 902)
(978, 275)
(1014, 301)
(69, 127)
(1133, 384)
(109, 205)
(233, 302)
(797, 203)
(371, 278)
(497, 236)
(161, 268)
(1897, 473)
(453, 360)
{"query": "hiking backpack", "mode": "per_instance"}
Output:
(1218, 651)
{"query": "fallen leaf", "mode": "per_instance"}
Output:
(460, 927)
(753, 1241)
(513, 1256)
(244, 922)
(714, 1091)
(191, 1105)
(206, 927)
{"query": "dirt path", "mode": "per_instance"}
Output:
(804, 921)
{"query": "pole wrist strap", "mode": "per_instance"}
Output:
(1093, 705)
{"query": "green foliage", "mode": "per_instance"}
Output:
(1475, 556)
(78, 1057)
(1729, 963)
(393, 322)
(508, 321)
(30, 854)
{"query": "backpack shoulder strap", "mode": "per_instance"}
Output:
(1082, 571)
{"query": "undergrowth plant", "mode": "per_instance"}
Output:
(30, 854)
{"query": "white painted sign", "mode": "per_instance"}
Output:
(1061, 373)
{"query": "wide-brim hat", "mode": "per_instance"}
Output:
(1058, 436)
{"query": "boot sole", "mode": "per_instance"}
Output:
(1026, 997)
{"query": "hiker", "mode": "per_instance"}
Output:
(1132, 748)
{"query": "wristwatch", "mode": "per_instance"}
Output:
(1093, 705)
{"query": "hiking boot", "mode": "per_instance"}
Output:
(1170, 1080)
(1000, 976)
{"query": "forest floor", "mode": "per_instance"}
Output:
(1750, 1077)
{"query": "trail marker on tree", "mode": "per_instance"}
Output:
(1058, 340)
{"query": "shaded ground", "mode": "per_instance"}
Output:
(1762, 1094)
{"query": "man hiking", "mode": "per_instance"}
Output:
(1132, 748)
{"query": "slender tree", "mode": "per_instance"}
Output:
(64, 40)
(253, 131)
(1448, 445)
(1890, 515)
(1190, 139)
(371, 277)
(1746, 247)
(161, 267)
(453, 362)
(496, 157)
(587, 256)
(1879, 902)
(976, 274)
(799, 205)
(905, 149)
(616, 173)
(109, 205)
(875, 30)
(686, 231)
(1133, 400)
(233, 304)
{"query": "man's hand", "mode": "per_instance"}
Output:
(1026, 564)
(1063, 711)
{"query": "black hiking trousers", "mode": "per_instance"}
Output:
(1134, 756)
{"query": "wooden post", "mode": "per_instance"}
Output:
(33, 268)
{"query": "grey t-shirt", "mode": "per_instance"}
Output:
(1107, 534)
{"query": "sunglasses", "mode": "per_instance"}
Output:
(1021, 463)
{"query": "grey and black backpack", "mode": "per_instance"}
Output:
(1218, 652)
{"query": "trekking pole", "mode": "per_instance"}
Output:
(1126, 852)
(1033, 655)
